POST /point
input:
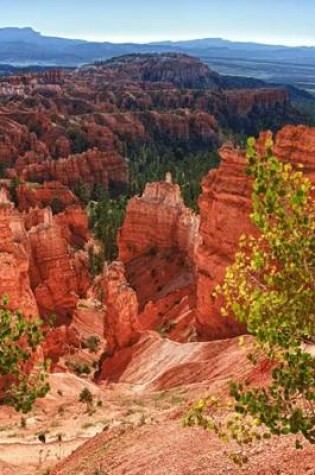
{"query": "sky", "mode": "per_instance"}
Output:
(287, 22)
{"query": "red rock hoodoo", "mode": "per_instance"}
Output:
(157, 245)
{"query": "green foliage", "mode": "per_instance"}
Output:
(145, 165)
(271, 288)
(19, 340)
(82, 191)
(105, 220)
(164, 330)
(79, 143)
(96, 261)
(15, 182)
(92, 343)
(56, 205)
(87, 397)
(187, 169)
(79, 368)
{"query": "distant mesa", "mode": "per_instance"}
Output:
(179, 69)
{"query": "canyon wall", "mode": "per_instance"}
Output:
(225, 206)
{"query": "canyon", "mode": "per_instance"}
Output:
(160, 339)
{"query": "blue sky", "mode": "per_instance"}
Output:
(289, 22)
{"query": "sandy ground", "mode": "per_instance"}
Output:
(135, 424)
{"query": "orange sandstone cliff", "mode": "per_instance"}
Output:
(225, 206)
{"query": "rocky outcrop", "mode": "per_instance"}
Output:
(121, 326)
(246, 101)
(14, 261)
(59, 342)
(74, 224)
(41, 266)
(52, 275)
(158, 221)
(194, 129)
(178, 69)
(297, 145)
(157, 243)
(92, 167)
(51, 193)
(225, 206)
(224, 216)
(89, 319)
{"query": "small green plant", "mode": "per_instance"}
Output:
(56, 205)
(92, 343)
(96, 261)
(52, 321)
(166, 329)
(87, 397)
(79, 368)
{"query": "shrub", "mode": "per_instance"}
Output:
(79, 368)
(92, 343)
(19, 339)
(87, 397)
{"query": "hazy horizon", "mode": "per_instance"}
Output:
(285, 22)
(161, 40)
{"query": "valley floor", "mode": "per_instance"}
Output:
(135, 425)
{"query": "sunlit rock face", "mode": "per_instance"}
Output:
(224, 216)
(158, 220)
(157, 244)
(297, 145)
(14, 260)
(225, 206)
(41, 196)
(92, 167)
(42, 268)
(121, 326)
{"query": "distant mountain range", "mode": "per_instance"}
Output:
(291, 65)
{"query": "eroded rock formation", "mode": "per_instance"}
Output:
(121, 326)
(157, 244)
(79, 126)
(14, 262)
(92, 167)
(297, 145)
(42, 266)
(225, 206)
